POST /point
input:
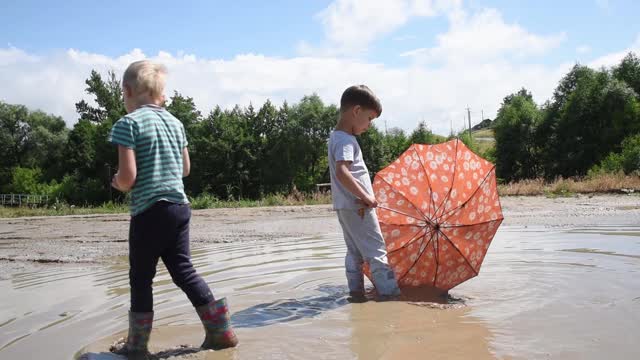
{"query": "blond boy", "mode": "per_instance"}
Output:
(152, 160)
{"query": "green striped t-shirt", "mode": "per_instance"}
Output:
(157, 138)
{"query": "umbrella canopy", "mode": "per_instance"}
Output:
(438, 209)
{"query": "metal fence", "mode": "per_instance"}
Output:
(324, 187)
(23, 200)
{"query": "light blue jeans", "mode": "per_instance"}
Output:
(364, 242)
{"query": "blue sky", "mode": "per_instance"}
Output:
(223, 29)
(220, 29)
(426, 59)
(603, 25)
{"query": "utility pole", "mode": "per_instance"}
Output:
(469, 117)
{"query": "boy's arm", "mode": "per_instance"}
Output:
(124, 179)
(186, 162)
(349, 182)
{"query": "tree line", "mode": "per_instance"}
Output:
(590, 125)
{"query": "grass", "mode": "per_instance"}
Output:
(483, 146)
(205, 201)
(60, 209)
(484, 133)
(606, 183)
(484, 139)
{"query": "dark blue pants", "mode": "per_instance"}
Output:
(162, 232)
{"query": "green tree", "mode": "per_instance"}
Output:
(628, 71)
(514, 127)
(48, 136)
(14, 131)
(422, 135)
(185, 110)
(591, 114)
(373, 150)
(89, 154)
(274, 152)
(30, 139)
(395, 143)
(309, 127)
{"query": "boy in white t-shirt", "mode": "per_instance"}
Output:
(353, 197)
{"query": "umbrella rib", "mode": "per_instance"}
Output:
(453, 179)
(413, 238)
(397, 192)
(465, 225)
(441, 220)
(428, 182)
(392, 224)
(404, 246)
(459, 252)
(402, 213)
(419, 256)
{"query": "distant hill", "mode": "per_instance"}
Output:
(484, 137)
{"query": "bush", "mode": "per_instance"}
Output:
(203, 201)
(631, 154)
(627, 161)
(75, 190)
(29, 181)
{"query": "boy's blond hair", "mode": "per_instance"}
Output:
(145, 77)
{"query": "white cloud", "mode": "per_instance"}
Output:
(476, 62)
(612, 59)
(12, 55)
(55, 82)
(354, 24)
(351, 25)
(484, 36)
(583, 49)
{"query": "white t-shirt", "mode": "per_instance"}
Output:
(345, 147)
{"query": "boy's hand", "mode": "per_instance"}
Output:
(372, 202)
(114, 183)
(369, 202)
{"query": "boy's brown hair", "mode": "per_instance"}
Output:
(360, 95)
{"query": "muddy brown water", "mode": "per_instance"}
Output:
(557, 293)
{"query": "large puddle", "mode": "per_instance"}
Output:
(541, 293)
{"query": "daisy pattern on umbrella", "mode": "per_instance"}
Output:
(438, 211)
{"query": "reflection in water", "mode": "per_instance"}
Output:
(281, 311)
(539, 294)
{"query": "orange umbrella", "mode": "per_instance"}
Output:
(438, 211)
